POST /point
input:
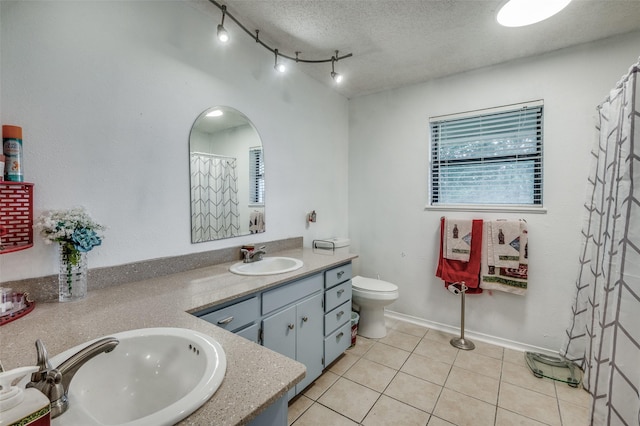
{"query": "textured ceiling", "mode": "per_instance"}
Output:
(396, 43)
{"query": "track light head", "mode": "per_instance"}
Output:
(279, 66)
(334, 75)
(223, 35)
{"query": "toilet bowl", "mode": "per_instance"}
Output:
(372, 296)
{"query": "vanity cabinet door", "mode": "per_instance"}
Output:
(297, 332)
(279, 332)
(309, 338)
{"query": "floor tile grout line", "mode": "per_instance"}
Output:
(501, 381)
(495, 417)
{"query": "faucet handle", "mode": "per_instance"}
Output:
(42, 361)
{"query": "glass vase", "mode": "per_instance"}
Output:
(72, 280)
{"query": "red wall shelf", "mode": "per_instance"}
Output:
(16, 216)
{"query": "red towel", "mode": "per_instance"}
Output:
(455, 271)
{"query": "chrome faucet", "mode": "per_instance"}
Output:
(54, 382)
(250, 256)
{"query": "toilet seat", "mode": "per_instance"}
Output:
(372, 285)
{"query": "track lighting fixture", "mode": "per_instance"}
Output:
(279, 66)
(223, 35)
(334, 75)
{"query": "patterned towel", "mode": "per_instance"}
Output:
(256, 222)
(457, 271)
(505, 256)
(457, 242)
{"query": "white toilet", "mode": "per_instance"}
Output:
(372, 296)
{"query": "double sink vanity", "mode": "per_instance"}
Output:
(277, 332)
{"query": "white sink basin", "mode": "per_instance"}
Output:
(155, 376)
(267, 266)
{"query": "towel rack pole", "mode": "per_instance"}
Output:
(461, 342)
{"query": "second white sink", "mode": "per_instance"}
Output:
(267, 266)
(155, 376)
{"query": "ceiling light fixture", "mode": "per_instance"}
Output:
(518, 13)
(334, 75)
(278, 65)
(223, 35)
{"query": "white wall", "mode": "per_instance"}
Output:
(388, 186)
(107, 91)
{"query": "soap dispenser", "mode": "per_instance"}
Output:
(22, 406)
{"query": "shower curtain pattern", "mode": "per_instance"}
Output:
(214, 197)
(604, 334)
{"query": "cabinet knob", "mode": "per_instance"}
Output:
(339, 314)
(340, 291)
(339, 335)
(340, 274)
(225, 321)
(305, 319)
(291, 326)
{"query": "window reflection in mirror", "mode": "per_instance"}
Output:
(226, 175)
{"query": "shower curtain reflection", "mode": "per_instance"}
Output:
(214, 197)
(604, 335)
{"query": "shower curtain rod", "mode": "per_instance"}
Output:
(206, 154)
(632, 69)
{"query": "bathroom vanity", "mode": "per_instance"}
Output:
(257, 379)
(306, 319)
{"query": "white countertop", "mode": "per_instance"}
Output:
(256, 376)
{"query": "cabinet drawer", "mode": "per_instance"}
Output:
(282, 296)
(337, 317)
(337, 275)
(235, 316)
(250, 333)
(337, 295)
(337, 343)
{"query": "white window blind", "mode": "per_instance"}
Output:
(491, 157)
(256, 176)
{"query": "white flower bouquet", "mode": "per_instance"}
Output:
(73, 229)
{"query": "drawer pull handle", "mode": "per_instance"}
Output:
(291, 326)
(225, 321)
(340, 274)
(305, 318)
(339, 335)
(339, 314)
(340, 291)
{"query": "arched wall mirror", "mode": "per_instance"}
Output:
(227, 176)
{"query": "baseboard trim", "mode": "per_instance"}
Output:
(486, 338)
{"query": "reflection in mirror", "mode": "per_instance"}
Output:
(227, 176)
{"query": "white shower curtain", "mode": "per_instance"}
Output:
(604, 334)
(214, 197)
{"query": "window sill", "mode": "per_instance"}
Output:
(487, 208)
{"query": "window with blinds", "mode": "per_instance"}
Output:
(256, 176)
(490, 157)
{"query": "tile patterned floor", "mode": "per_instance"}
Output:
(413, 376)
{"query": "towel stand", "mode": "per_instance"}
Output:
(461, 342)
